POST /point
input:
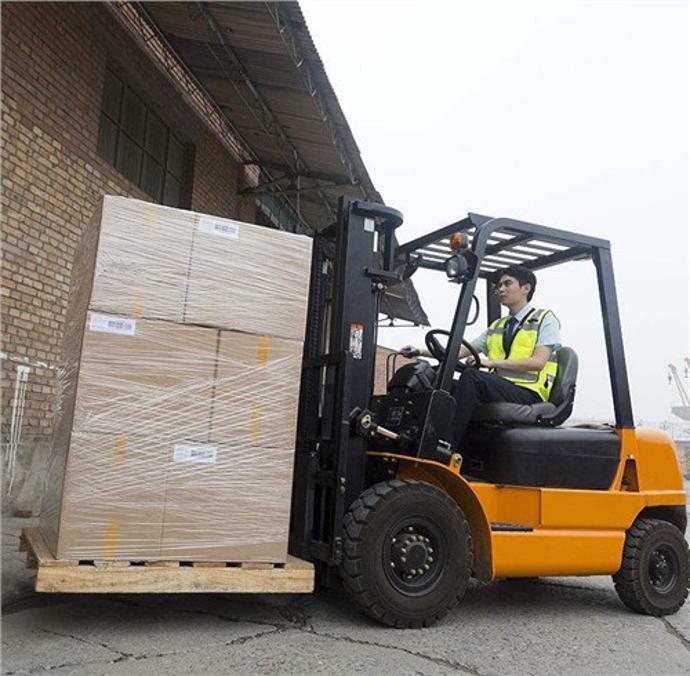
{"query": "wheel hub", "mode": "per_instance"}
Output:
(661, 570)
(412, 554)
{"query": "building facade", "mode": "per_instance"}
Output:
(85, 112)
(221, 108)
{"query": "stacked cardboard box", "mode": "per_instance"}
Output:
(178, 394)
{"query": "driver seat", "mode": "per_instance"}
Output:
(546, 413)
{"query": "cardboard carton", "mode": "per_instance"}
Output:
(112, 499)
(256, 394)
(232, 504)
(142, 260)
(138, 376)
(248, 278)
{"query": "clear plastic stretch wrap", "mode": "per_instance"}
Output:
(178, 391)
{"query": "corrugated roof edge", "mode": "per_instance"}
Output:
(309, 46)
(391, 305)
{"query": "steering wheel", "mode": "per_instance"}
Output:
(439, 352)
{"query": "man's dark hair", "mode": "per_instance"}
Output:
(522, 274)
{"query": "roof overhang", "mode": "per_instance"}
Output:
(258, 66)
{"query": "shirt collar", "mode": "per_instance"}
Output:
(523, 313)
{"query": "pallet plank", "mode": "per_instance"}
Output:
(185, 579)
(293, 563)
(99, 576)
(256, 565)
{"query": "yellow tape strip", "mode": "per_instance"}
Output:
(262, 351)
(119, 448)
(137, 302)
(255, 422)
(112, 538)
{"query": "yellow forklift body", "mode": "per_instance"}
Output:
(566, 531)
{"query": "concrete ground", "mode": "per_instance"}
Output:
(549, 626)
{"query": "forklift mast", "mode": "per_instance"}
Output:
(352, 263)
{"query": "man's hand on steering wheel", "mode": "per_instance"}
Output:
(439, 352)
(484, 362)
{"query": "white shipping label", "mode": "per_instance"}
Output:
(214, 226)
(110, 324)
(201, 453)
(356, 340)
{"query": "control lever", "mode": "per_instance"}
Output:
(367, 427)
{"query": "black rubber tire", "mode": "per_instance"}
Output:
(633, 583)
(371, 519)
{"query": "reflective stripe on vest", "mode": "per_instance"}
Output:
(523, 346)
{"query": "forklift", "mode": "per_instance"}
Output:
(383, 504)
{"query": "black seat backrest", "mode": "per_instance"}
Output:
(563, 391)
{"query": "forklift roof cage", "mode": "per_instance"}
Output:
(498, 243)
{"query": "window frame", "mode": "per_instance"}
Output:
(176, 155)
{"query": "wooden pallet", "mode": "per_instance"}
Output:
(295, 576)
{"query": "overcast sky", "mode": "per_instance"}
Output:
(573, 115)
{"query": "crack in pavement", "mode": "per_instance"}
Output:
(439, 661)
(85, 640)
(299, 617)
(240, 640)
(676, 632)
(131, 657)
(295, 613)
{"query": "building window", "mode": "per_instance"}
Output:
(134, 140)
(273, 212)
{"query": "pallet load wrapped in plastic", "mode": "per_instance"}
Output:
(178, 390)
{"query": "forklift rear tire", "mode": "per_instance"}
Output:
(407, 553)
(654, 578)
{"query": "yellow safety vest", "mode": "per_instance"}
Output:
(524, 343)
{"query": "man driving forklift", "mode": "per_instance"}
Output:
(386, 507)
(520, 352)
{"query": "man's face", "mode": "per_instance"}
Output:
(510, 292)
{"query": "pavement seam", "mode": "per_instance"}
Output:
(85, 640)
(439, 661)
(131, 657)
(675, 632)
(240, 640)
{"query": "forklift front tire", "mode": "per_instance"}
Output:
(654, 577)
(407, 553)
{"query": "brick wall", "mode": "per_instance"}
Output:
(53, 63)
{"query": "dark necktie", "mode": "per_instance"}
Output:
(508, 333)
